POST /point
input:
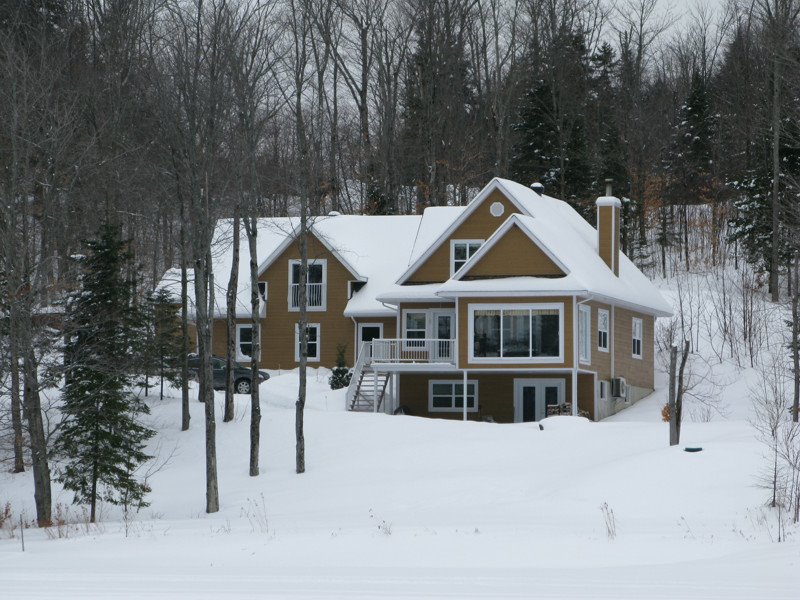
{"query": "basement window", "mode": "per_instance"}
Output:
(448, 395)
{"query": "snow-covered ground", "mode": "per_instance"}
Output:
(405, 507)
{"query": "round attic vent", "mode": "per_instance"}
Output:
(497, 209)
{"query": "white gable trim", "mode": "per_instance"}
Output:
(291, 236)
(494, 184)
(497, 236)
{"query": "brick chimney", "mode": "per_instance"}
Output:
(608, 215)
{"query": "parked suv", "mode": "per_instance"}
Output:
(242, 377)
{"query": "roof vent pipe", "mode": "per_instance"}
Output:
(608, 187)
(537, 187)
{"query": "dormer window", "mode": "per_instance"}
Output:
(316, 280)
(461, 251)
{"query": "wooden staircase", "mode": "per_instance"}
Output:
(367, 388)
(371, 386)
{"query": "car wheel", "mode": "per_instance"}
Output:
(243, 386)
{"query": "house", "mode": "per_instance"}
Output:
(510, 308)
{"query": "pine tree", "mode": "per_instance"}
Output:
(101, 439)
(164, 332)
(340, 374)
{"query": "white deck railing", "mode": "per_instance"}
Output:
(315, 294)
(413, 351)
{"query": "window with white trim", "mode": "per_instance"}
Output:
(637, 338)
(313, 344)
(316, 284)
(585, 333)
(516, 332)
(602, 329)
(414, 327)
(448, 395)
(603, 391)
(461, 251)
(244, 342)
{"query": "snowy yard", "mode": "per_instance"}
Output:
(404, 507)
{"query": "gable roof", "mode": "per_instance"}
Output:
(463, 214)
(383, 250)
(526, 225)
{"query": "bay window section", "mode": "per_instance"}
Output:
(530, 333)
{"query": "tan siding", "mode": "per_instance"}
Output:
(637, 371)
(608, 235)
(495, 394)
(514, 255)
(600, 361)
(586, 392)
(463, 332)
(478, 226)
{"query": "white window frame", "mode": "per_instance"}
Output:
(602, 389)
(600, 313)
(407, 342)
(317, 261)
(239, 356)
(452, 383)
(297, 342)
(585, 333)
(637, 323)
(453, 243)
(515, 359)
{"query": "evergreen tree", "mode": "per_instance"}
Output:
(164, 345)
(101, 439)
(340, 374)
(689, 164)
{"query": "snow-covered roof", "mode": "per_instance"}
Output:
(384, 250)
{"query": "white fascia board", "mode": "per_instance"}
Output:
(510, 294)
(484, 193)
(497, 236)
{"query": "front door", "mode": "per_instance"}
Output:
(533, 396)
(444, 331)
(368, 332)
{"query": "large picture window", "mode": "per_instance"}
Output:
(516, 332)
(448, 396)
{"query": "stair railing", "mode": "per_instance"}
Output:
(362, 361)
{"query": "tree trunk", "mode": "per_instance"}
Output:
(204, 290)
(185, 416)
(796, 338)
(230, 354)
(679, 391)
(16, 407)
(776, 173)
(255, 356)
(41, 469)
(673, 412)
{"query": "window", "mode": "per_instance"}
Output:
(637, 338)
(316, 279)
(461, 251)
(244, 342)
(414, 328)
(313, 347)
(602, 330)
(516, 332)
(585, 333)
(603, 392)
(448, 396)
